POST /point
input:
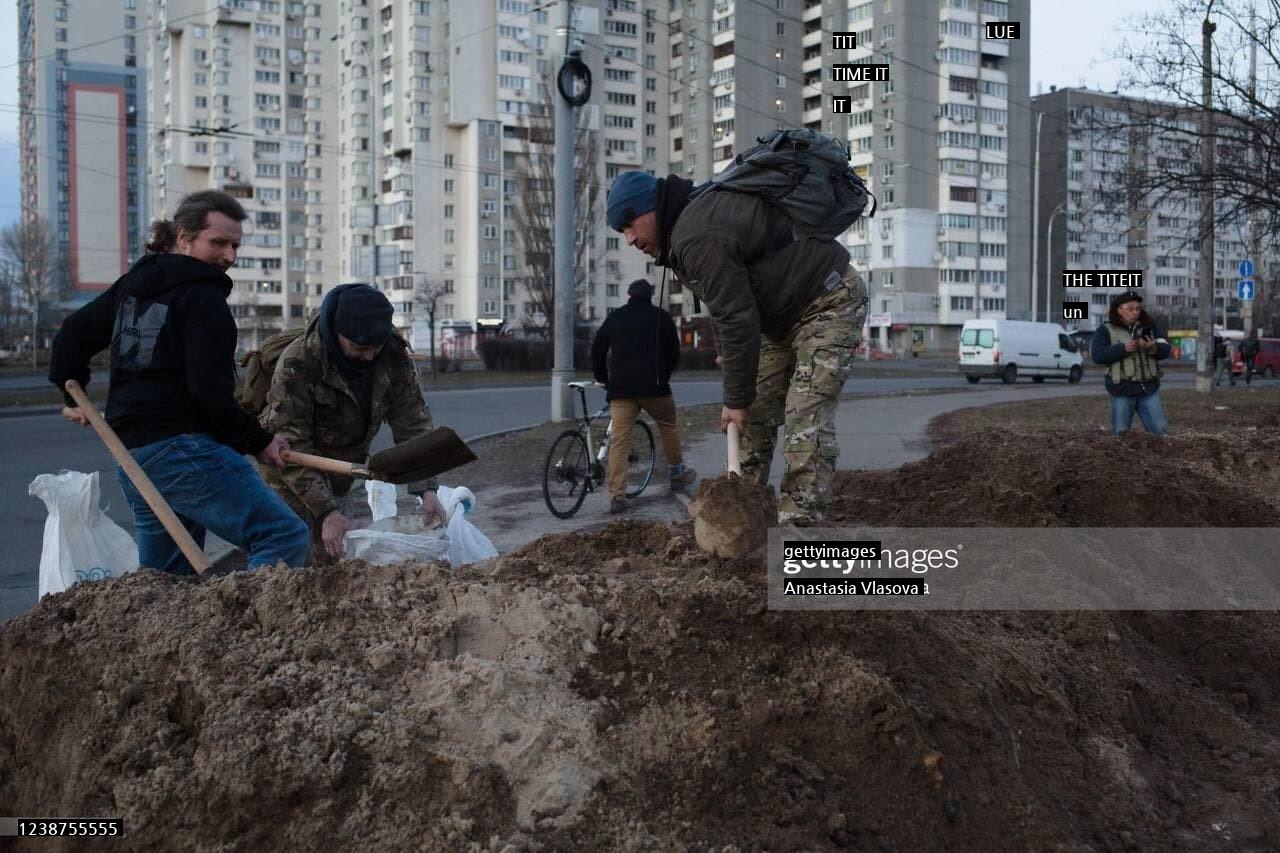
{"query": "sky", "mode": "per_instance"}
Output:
(1069, 39)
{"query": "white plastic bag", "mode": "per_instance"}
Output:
(466, 543)
(382, 499)
(460, 542)
(80, 542)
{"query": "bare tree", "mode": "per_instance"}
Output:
(30, 248)
(426, 294)
(534, 211)
(8, 286)
(1164, 61)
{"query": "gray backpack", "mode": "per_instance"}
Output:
(804, 173)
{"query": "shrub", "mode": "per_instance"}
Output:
(528, 354)
(702, 358)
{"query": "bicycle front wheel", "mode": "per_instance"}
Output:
(640, 459)
(567, 475)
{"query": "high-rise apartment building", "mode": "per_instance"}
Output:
(1090, 142)
(84, 120)
(240, 93)
(940, 143)
(386, 142)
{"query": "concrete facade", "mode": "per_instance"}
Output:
(1088, 141)
(83, 125)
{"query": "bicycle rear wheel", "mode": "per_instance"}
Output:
(566, 478)
(640, 459)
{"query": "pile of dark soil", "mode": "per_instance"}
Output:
(625, 690)
(1061, 478)
(1238, 412)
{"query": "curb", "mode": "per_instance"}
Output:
(28, 411)
(502, 432)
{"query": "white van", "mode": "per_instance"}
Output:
(1012, 348)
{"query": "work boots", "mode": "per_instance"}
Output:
(680, 481)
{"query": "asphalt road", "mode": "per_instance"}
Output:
(37, 444)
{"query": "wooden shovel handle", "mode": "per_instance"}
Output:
(140, 480)
(323, 463)
(735, 464)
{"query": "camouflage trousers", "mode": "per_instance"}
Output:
(798, 388)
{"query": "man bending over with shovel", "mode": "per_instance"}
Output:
(788, 313)
(332, 390)
(172, 391)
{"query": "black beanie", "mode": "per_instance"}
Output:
(640, 287)
(363, 316)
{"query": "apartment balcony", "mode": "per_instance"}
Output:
(237, 11)
(811, 39)
(812, 115)
(813, 63)
(812, 12)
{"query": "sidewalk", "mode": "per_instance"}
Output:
(874, 434)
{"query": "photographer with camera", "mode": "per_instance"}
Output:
(1130, 345)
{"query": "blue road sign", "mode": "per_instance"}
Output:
(1245, 269)
(1244, 289)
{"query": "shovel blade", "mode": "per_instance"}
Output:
(419, 458)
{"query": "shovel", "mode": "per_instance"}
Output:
(732, 515)
(416, 459)
(180, 535)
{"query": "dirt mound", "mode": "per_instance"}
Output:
(621, 689)
(600, 708)
(1006, 478)
(732, 515)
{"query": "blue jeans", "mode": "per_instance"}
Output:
(211, 487)
(1148, 408)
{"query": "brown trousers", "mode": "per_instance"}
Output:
(624, 414)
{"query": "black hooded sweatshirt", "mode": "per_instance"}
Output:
(173, 345)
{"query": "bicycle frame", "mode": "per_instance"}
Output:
(587, 420)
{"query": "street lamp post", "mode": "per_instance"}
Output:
(1035, 222)
(1048, 265)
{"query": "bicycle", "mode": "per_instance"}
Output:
(576, 465)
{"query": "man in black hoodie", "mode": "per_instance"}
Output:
(172, 399)
(633, 356)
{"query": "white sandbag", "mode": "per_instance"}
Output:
(80, 542)
(382, 499)
(460, 542)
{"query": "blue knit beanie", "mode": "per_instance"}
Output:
(632, 194)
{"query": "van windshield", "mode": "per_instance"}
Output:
(978, 337)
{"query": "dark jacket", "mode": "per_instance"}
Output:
(1103, 351)
(636, 351)
(173, 346)
(737, 255)
(1220, 350)
(1249, 348)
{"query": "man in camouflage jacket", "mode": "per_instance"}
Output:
(332, 390)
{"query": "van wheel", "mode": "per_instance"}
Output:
(1010, 374)
(973, 380)
(1037, 379)
(1074, 375)
(1267, 372)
